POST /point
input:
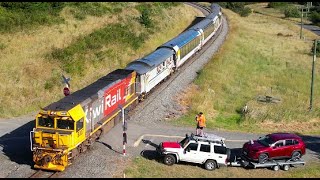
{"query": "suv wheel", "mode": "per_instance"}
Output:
(296, 155)
(169, 160)
(263, 158)
(210, 165)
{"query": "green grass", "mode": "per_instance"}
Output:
(17, 16)
(255, 61)
(112, 34)
(142, 168)
(309, 171)
(74, 59)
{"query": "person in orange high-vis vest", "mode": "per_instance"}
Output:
(201, 123)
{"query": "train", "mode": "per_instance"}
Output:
(68, 127)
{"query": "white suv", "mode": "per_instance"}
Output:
(209, 150)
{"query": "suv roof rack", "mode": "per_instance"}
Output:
(208, 138)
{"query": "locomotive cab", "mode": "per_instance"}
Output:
(55, 134)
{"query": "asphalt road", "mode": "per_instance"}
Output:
(313, 28)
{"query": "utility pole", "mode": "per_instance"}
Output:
(309, 5)
(312, 75)
(301, 22)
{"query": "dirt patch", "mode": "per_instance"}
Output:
(184, 99)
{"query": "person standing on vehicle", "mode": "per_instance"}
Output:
(201, 123)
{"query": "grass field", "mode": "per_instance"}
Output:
(31, 79)
(263, 56)
(145, 168)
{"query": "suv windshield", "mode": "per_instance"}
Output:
(266, 141)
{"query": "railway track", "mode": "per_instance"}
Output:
(43, 174)
(204, 9)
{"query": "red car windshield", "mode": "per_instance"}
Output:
(266, 141)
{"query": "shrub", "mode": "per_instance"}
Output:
(245, 12)
(237, 7)
(145, 19)
(292, 11)
(315, 17)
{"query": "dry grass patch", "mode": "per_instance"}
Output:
(25, 70)
(256, 61)
(301, 126)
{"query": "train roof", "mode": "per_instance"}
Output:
(91, 91)
(145, 64)
(202, 24)
(182, 39)
(215, 8)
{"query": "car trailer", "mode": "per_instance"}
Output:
(274, 164)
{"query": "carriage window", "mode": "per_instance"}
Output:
(65, 124)
(46, 122)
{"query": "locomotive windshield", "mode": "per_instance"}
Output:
(65, 124)
(46, 122)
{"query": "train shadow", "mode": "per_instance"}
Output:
(16, 144)
(195, 21)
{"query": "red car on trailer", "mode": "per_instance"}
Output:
(275, 146)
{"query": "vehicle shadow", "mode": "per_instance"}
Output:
(312, 143)
(16, 144)
(150, 154)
